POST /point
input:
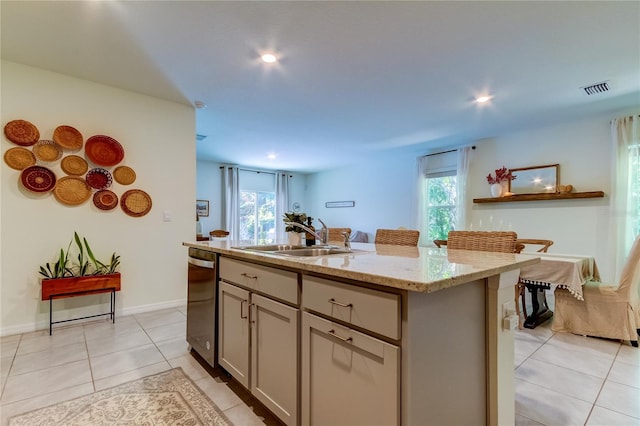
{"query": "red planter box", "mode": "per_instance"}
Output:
(59, 288)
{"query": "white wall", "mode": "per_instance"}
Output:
(159, 142)
(209, 187)
(383, 188)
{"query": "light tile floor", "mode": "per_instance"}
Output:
(561, 379)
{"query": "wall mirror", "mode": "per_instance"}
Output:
(535, 180)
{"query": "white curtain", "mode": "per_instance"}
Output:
(282, 204)
(625, 223)
(230, 199)
(462, 183)
(422, 222)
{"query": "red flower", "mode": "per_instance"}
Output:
(502, 175)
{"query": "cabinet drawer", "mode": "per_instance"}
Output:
(274, 282)
(363, 307)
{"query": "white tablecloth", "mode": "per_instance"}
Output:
(564, 271)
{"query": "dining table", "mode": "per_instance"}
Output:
(566, 271)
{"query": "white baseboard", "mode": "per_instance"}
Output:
(132, 310)
(178, 303)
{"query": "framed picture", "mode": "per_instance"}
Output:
(534, 180)
(202, 207)
(334, 204)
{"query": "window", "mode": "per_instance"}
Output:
(256, 207)
(257, 217)
(441, 205)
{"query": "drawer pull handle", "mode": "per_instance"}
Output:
(344, 339)
(253, 277)
(241, 310)
(333, 301)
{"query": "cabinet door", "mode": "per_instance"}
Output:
(348, 378)
(274, 357)
(233, 331)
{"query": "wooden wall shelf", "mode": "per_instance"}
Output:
(540, 197)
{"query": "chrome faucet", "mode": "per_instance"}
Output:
(322, 236)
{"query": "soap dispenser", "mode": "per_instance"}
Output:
(309, 237)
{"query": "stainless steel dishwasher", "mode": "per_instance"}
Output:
(201, 304)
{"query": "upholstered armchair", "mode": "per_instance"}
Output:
(607, 311)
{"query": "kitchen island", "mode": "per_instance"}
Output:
(383, 335)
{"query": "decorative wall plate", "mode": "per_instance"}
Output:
(104, 150)
(72, 190)
(105, 200)
(99, 178)
(19, 158)
(135, 202)
(21, 132)
(47, 151)
(38, 179)
(68, 137)
(74, 165)
(124, 175)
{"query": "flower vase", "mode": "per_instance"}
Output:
(295, 238)
(496, 190)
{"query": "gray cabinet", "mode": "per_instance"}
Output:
(258, 335)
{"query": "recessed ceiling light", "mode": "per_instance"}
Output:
(271, 156)
(483, 99)
(268, 58)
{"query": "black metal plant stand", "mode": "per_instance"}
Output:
(111, 313)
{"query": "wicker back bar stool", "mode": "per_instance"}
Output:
(495, 241)
(219, 234)
(335, 234)
(398, 237)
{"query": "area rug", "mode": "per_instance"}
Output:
(167, 398)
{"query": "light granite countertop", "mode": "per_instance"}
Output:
(419, 269)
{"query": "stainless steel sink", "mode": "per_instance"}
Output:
(310, 252)
(298, 251)
(272, 247)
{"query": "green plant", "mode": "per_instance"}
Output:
(60, 267)
(87, 264)
(296, 218)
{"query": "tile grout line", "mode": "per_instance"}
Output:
(604, 382)
(569, 368)
(86, 348)
(13, 358)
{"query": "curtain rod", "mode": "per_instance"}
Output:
(446, 152)
(626, 116)
(258, 171)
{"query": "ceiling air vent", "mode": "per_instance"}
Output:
(200, 137)
(596, 88)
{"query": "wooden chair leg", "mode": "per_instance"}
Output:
(523, 292)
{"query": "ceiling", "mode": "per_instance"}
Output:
(354, 78)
